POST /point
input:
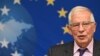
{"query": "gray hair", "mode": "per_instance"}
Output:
(77, 8)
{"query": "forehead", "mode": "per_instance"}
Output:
(80, 16)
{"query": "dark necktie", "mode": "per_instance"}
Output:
(81, 51)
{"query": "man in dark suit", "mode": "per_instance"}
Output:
(81, 26)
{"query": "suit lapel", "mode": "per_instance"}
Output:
(96, 48)
(68, 49)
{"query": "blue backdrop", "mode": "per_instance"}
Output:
(31, 27)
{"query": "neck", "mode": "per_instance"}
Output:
(83, 45)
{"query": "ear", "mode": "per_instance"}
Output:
(69, 30)
(95, 27)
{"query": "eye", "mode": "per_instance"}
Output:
(86, 23)
(75, 24)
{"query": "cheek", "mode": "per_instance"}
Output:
(90, 31)
(74, 33)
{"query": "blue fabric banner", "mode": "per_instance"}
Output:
(31, 27)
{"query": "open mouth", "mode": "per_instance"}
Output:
(81, 37)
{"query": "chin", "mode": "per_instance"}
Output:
(83, 41)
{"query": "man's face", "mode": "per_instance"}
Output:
(81, 27)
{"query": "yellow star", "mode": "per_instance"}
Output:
(50, 2)
(17, 1)
(62, 13)
(66, 30)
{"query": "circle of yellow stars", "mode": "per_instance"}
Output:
(62, 13)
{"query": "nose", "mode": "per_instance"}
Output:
(81, 28)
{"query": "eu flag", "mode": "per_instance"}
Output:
(31, 27)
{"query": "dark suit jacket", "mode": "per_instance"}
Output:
(67, 49)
